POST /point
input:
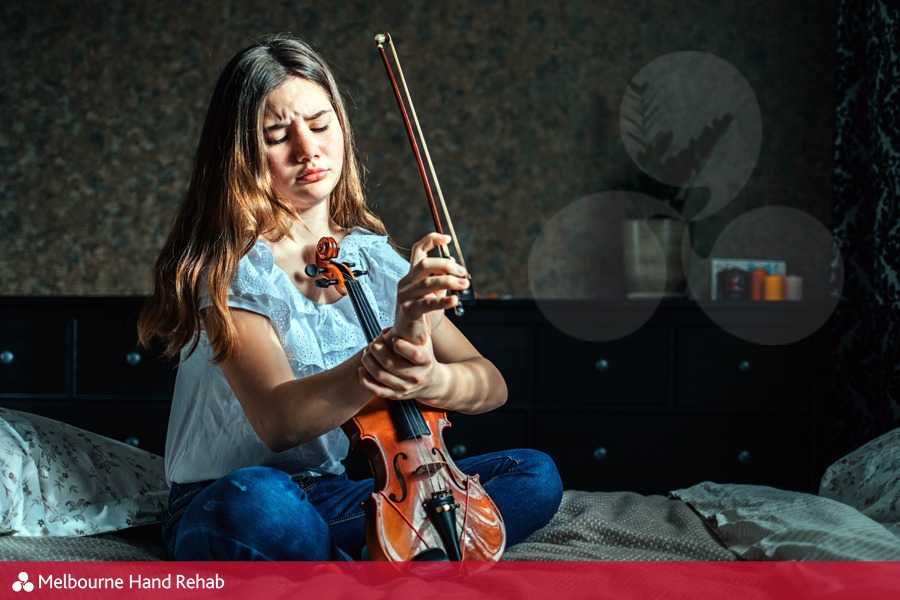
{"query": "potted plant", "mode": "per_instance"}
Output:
(663, 197)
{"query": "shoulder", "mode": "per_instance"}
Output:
(258, 261)
(258, 286)
(373, 250)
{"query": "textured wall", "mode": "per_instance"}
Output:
(102, 102)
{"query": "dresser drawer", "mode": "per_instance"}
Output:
(110, 363)
(716, 369)
(34, 357)
(509, 347)
(471, 435)
(659, 453)
(629, 371)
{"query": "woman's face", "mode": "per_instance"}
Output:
(304, 143)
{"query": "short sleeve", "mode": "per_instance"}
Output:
(255, 288)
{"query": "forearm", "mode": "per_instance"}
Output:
(470, 386)
(299, 410)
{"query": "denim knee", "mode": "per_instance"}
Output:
(544, 484)
(255, 513)
(525, 486)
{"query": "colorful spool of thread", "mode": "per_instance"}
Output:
(773, 287)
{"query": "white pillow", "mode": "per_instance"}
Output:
(56, 479)
(868, 479)
(764, 523)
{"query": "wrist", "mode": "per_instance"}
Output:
(439, 392)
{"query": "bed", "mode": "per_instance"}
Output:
(72, 495)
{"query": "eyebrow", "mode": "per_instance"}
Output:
(281, 125)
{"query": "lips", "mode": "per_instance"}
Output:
(312, 175)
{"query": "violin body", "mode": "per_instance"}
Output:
(408, 472)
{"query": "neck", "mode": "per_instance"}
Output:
(315, 223)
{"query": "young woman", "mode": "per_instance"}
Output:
(270, 364)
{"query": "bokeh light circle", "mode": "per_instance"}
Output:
(691, 120)
(776, 233)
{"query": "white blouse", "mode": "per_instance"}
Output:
(209, 435)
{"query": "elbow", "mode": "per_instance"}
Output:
(497, 392)
(496, 397)
(277, 444)
(274, 440)
(502, 393)
(274, 434)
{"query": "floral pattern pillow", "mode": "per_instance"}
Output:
(868, 479)
(59, 480)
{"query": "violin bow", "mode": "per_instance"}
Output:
(380, 40)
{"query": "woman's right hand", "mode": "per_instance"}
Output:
(422, 294)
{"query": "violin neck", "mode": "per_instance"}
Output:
(367, 319)
(408, 420)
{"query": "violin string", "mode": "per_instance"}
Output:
(407, 408)
(434, 177)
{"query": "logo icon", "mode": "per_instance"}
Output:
(22, 584)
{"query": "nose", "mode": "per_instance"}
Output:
(305, 146)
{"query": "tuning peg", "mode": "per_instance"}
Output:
(324, 283)
(360, 273)
(312, 270)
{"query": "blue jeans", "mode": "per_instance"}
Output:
(260, 513)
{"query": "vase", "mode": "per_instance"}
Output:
(654, 265)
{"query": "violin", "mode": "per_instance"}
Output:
(424, 507)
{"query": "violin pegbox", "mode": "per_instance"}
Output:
(334, 273)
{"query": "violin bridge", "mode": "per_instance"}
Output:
(429, 468)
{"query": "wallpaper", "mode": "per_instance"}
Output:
(521, 103)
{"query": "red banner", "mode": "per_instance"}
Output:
(358, 581)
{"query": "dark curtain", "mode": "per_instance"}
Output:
(866, 359)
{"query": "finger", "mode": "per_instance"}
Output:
(419, 307)
(414, 289)
(385, 386)
(421, 248)
(385, 378)
(386, 365)
(415, 354)
(434, 267)
(374, 387)
(378, 358)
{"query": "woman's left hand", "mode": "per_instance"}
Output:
(396, 369)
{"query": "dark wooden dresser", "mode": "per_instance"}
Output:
(678, 401)
(76, 359)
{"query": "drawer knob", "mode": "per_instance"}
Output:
(6, 357)
(744, 366)
(600, 454)
(744, 457)
(133, 440)
(602, 365)
(133, 358)
(459, 451)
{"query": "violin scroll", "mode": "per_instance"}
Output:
(335, 273)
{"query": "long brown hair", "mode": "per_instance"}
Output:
(230, 201)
